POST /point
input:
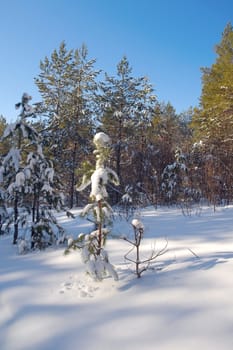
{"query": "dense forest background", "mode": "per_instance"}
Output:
(160, 157)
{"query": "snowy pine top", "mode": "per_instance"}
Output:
(101, 140)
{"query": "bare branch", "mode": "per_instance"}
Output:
(128, 240)
(126, 255)
(191, 251)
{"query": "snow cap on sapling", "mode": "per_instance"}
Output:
(101, 140)
(137, 224)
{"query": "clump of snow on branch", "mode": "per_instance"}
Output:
(9, 130)
(137, 224)
(26, 109)
(20, 179)
(99, 180)
(13, 157)
(102, 175)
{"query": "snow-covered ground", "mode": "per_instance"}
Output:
(185, 301)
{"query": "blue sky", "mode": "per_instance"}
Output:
(166, 40)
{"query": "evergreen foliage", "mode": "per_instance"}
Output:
(174, 178)
(92, 245)
(215, 116)
(67, 84)
(145, 134)
(213, 121)
(126, 109)
(28, 182)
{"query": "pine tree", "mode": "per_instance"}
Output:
(174, 179)
(4, 148)
(126, 106)
(166, 134)
(92, 245)
(28, 179)
(67, 85)
(213, 121)
(12, 162)
(44, 190)
(4, 145)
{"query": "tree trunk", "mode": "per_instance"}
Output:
(99, 229)
(72, 184)
(35, 215)
(16, 225)
(118, 158)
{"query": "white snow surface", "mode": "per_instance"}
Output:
(183, 302)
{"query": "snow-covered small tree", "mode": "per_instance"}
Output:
(28, 181)
(141, 264)
(42, 186)
(173, 178)
(92, 245)
(21, 135)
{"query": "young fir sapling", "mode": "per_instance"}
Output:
(141, 265)
(92, 245)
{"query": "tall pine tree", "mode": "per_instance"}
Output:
(213, 121)
(126, 108)
(67, 85)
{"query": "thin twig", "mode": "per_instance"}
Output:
(191, 251)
